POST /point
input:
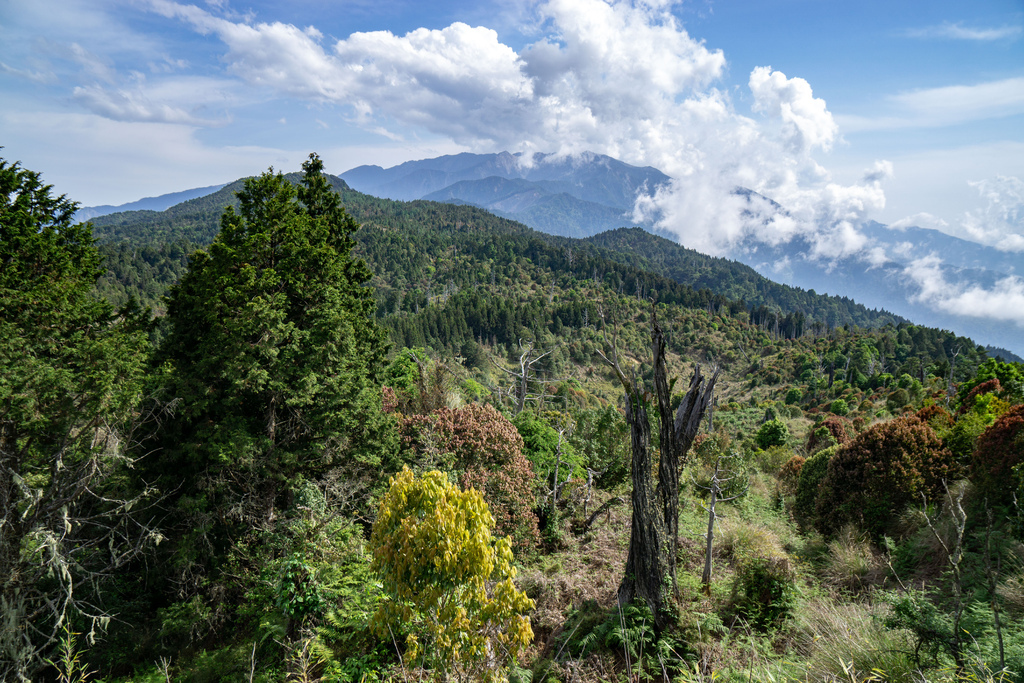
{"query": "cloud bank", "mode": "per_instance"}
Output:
(617, 77)
(1004, 301)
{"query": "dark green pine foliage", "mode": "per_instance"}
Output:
(274, 360)
(70, 380)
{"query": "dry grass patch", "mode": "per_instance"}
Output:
(852, 563)
(589, 568)
(844, 641)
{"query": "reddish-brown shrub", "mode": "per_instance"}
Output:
(389, 399)
(875, 476)
(789, 474)
(837, 430)
(487, 451)
(1000, 448)
(991, 386)
(937, 417)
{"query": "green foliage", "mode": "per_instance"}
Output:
(962, 437)
(299, 593)
(812, 473)
(772, 433)
(70, 385)
(765, 591)
(627, 632)
(932, 629)
(839, 407)
(601, 436)
(274, 362)
(1010, 377)
(69, 665)
(896, 400)
(540, 444)
(999, 452)
(447, 580)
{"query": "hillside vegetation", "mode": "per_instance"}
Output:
(400, 451)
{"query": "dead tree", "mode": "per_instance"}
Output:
(654, 532)
(527, 374)
(714, 488)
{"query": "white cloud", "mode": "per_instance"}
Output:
(1000, 223)
(44, 76)
(958, 31)
(185, 100)
(945, 106)
(619, 77)
(921, 220)
(1004, 301)
(806, 121)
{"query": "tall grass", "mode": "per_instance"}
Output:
(847, 641)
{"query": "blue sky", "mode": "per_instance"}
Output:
(903, 112)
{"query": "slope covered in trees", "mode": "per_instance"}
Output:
(406, 244)
(213, 479)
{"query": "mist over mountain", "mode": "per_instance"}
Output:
(570, 196)
(918, 273)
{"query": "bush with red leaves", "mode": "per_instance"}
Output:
(789, 474)
(937, 417)
(991, 386)
(882, 471)
(1000, 448)
(831, 431)
(487, 452)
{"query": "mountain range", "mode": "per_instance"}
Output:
(574, 196)
(160, 203)
(588, 194)
(591, 193)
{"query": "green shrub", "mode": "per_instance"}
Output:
(772, 433)
(839, 407)
(999, 450)
(897, 400)
(764, 591)
(811, 474)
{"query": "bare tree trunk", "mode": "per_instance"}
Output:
(654, 531)
(709, 549)
(648, 562)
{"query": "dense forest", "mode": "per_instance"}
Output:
(291, 432)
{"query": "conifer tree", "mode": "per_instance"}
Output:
(70, 381)
(274, 362)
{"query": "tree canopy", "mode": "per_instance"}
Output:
(70, 379)
(272, 359)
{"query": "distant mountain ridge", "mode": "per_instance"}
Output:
(889, 285)
(161, 203)
(570, 196)
(195, 222)
(591, 194)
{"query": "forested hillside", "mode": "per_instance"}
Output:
(411, 246)
(441, 446)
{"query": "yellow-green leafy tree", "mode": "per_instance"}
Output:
(448, 582)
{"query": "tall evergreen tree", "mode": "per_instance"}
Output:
(70, 380)
(274, 363)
